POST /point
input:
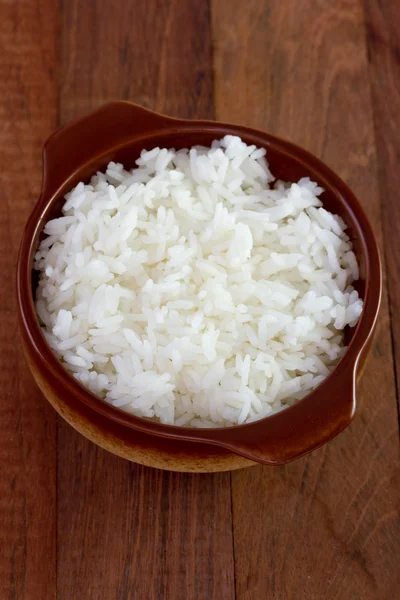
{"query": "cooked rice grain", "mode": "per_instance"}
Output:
(195, 289)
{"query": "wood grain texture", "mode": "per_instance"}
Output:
(325, 75)
(126, 531)
(383, 44)
(327, 525)
(27, 422)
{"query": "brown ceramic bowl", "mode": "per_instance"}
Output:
(119, 131)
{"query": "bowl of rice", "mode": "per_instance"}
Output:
(195, 295)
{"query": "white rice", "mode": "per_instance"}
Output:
(194, 289)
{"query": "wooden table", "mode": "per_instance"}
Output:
(78, 523)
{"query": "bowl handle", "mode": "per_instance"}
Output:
(310, 423)
(81, 141)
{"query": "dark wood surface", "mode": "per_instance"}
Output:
(78, 523)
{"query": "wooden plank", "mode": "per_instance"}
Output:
(126, 531)
(27, 423)
(383, 42)
(326, 526)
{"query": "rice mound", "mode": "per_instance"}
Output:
(195, 289)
